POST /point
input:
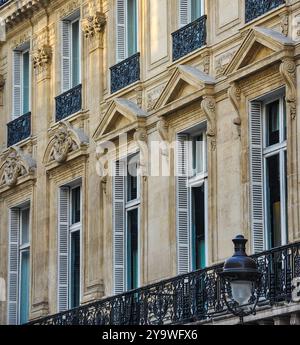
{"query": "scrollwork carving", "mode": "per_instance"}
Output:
(234, 94)
(102, 165)
(288, 73)
(163, 130)
(140, 137)
(16, 164)
(93, 24)
(208, 105)
(42, 57)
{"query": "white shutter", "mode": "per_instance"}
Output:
(182, 205)
(13, 264)
(184, 12)
(65, 55)
(63, 248)
(119, 227)
(17, 102)
(256, 170)
(121, 30)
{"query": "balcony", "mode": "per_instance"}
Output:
(189, 38)
(188, 298)
(68, 103)
(256, 8)
(19, 129)
(3, 2)
(125, 73)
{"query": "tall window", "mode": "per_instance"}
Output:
(190, 10)
(268, 173)
(191, 196)
(126, 224)
(69, 247)
(21, 80)
(70, 52)
(126, 29)
(19, 265)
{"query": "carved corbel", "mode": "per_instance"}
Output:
(208, 105)
(288, 73)
(42, 58)
(140, 137)
(234, 94)
(163, 130)
(93, 24)
(102, 165)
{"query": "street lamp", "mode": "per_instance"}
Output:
(241, 278)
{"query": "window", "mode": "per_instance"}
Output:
(268, 173)
(69, 253)
(19, 265)
(191, 195)
(126, 29)
(190, 10)
(126, 224)
(21, 80)
(70, 29)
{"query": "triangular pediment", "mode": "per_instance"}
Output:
(184, 81)
(259, 44)
(121, 115)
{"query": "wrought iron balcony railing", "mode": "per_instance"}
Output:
(191, 297)
(189, 38)
(256, 8)
(68, 103)
(3, 2)
(125, 73)
(19, 129)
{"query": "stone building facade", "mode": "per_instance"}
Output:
(199, 97)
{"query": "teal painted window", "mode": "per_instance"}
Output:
(198, 227)
(75, 269)
(24, 276)
(132, 26)
(25, 83)
(196, 10)
(132, 249)
(76, 205)
(75, 39)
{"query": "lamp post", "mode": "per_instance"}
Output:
(241, 278)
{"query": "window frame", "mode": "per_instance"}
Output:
(270, 151)
(23, 247)
(77, 19)
(189, 13)
(73, 228)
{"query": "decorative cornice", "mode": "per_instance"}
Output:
(288, 72)
(65, 140)
(16, 164)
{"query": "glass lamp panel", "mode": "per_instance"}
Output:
(241, 291)
(24, 286)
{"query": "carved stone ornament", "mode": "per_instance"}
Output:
(102, 164)
(234, 94)
(208, 105)
(93, 24)
(16, 164)
(288, 73)
(163, 130)
(66, 139)
(140, 136)
(42, 57)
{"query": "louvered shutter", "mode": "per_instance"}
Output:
(182, 205)
(184, 12)
(17, 108)
(119, 227)
(65, 55)
(256, 168)
(121, 30)
(13, 278)
(63, 248)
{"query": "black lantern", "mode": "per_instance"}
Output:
(241, 278)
